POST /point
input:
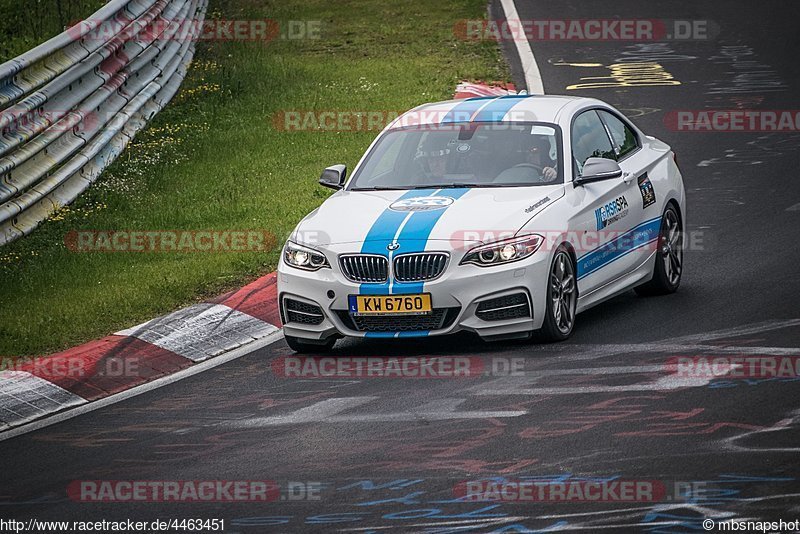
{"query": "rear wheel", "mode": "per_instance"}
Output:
(305, 346)
(669, 257)
(562, 298)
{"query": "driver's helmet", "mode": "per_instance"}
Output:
(434, 146)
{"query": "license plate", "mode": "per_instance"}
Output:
(390, 304)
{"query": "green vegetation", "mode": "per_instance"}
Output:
(214, 160)
(26, 23)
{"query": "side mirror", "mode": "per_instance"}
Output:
(333, 176)
(597, 169)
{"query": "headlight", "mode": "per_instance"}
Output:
(304, 257)
(504, 251)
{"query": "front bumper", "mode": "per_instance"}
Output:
(456, 295)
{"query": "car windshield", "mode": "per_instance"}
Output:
(492, 154)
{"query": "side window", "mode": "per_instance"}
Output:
(623, 137)
(589, 139)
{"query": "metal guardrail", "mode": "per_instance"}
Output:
(71, 105)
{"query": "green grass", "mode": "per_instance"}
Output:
(213, 160)
(26, 23)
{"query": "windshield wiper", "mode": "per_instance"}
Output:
(462, 185)
(379, 189)
(415, 187)
(448, 186)
(491, 184)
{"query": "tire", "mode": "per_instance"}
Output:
(304, 346)
(669, 257)
(562, 298)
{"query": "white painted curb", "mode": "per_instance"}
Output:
(530, 69)
(243, 350)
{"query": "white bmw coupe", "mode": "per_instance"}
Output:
(503, 216)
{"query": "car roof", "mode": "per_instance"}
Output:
(517, 108)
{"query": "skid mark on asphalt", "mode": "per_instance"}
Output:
(768, 147)
(747, 73)
(330, 411)
(609, 350)
(744, 330)
(453, 526)
(686, 344)
(660, 52)
(639, 112)
(647, 377)
(763, 440)
(523, 386)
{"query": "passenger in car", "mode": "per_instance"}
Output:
(538, 166)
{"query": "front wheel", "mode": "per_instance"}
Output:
(304, 347)
(562, 298)
(669, 257)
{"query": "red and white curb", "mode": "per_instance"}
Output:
(201, 331)
(166, 345)
(25, 397)
(469, 89)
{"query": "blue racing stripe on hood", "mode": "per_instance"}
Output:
(414, 235)
(382, 232)
(388, 222)
(496, 111)
(463, 111)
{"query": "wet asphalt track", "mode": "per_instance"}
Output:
(387, 453)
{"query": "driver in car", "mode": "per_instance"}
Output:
(432, 162)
